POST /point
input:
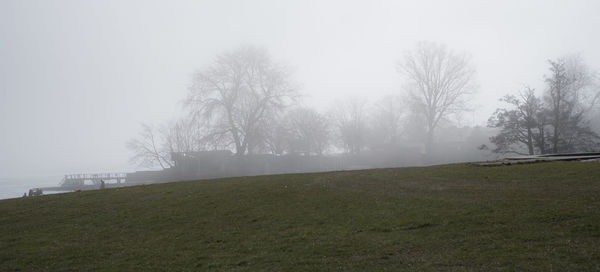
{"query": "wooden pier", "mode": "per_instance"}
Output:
(82, 182)
(74, 180)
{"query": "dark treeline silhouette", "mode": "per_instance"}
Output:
(245, 117)
(556, 122)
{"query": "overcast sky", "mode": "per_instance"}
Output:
(78, 77)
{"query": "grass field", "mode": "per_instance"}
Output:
(542, 217)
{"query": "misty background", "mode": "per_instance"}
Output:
(77, 78)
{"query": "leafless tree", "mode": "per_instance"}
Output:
(148, 149)
(560, 123)
(520, 125)
(234, 96)
(439, 82)
(277, 135)
(309, 131)
(350, 120)
(185, 135)
(155, 146)
(570, 96)
(387, 121)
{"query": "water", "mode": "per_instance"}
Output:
(15, 187)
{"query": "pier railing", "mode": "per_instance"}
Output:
(79, 179)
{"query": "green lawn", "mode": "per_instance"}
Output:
(543, 217)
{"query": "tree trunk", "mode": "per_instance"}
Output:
(429, 143)
(556, 122)
(529, 141)
(542, 141)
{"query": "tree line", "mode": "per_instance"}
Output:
(248, 103)
(558, 121)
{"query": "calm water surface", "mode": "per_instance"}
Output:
(15, 187)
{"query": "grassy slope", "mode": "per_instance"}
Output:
(456, 217)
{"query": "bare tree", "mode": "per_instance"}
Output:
(570, 95)
(561, 123)
(277, 135)
(309, 131)
(236, 93)
(299, 130)
(350, 119)
(439, 82)
(156, 146)
(148, 149)
(387, 120)
(519, 125)
(185, 135)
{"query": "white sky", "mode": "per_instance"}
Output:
(78, 77)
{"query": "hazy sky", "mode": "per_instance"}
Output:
(78, 77)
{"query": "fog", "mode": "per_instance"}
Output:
(77, 78)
